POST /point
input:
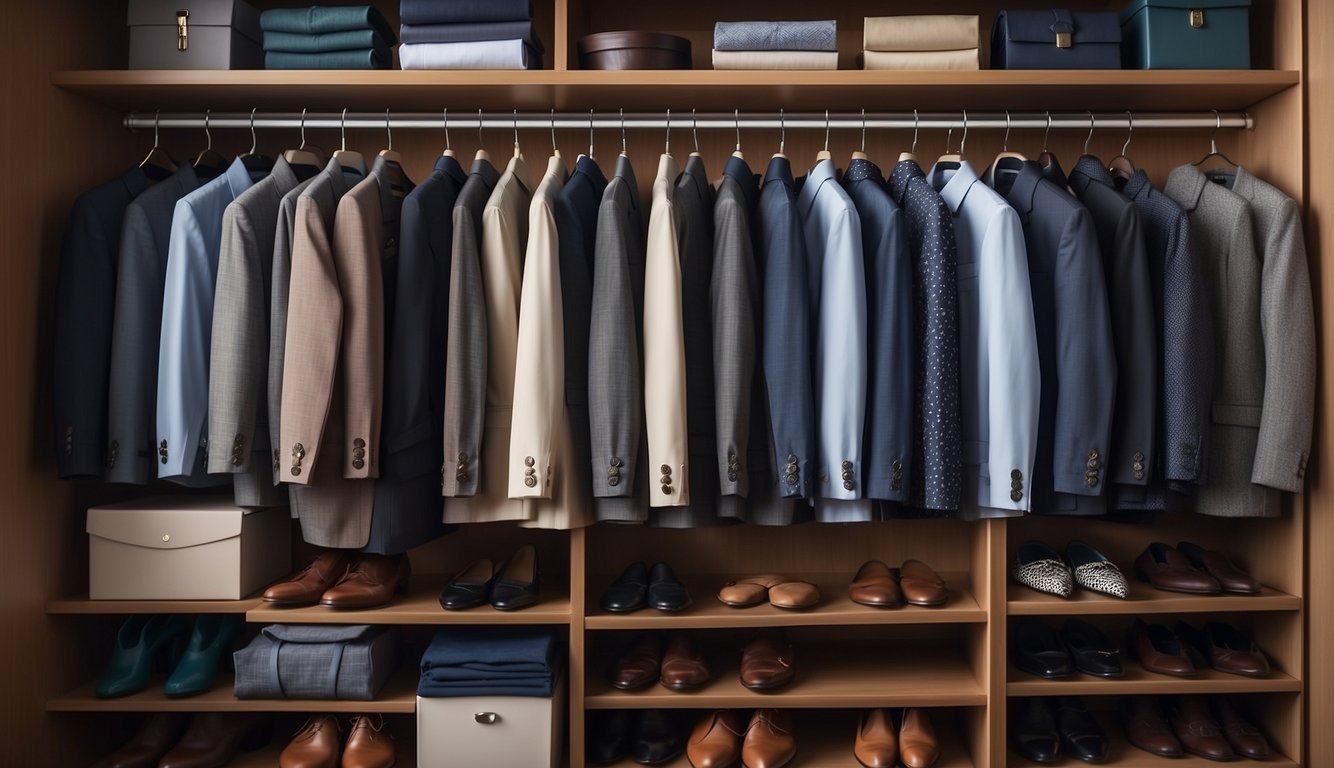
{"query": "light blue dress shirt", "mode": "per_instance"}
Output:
(998, 346)
(834, 248)
(187, 327)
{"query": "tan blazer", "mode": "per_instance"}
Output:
(541, 422)
(664, 344)
(504, 238)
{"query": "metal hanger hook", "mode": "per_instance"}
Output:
(342, 130)
(1005, 144)
(916, 124)
(516, 131)
(963, 142)
(694, 128)
(1093, 122)
(480, 143)
(254, 140)
(1130, 132)
(445, 115)
(553, 131)
(622, 111)
(949, 139)
(826, 130)
(1213, 137)
(667, 142)
(736, 121)
(782, 131)
(389, 131)
(1047, 134)
(157, 120)
(303, 129)
(590, 133)
(208, 134)
(863, 130)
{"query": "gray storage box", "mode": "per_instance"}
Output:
(194, 34)
(320, 661)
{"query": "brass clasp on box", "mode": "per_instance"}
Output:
(182, 30)
(1197, 18)
(1064, 40)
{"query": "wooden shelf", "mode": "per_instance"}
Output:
(1143, 599)
(421, 605)
(824, 740)
(399, 696)
(835, 609)
(1137, 680)
(1144, 90)
(827, 677)
(1122, 754)
(81, 605)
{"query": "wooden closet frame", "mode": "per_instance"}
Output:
(65, 101)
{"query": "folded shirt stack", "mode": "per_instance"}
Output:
(341, 37)
(775, 45)
(485, 662)
(468, 34)
(920, 42)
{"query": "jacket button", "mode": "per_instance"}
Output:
(848, 485)
(791, 479)
(1016, 475)
(666, 490)
(1016, 495)
(359, 443)
(791, 458)
(614, 481)
(462, 477)
(896, 466)
(846, 464)
(358, 463)
(529, 471)
(296, 471)
(530, 481)
(615, 461)
(1091, 481)
(613, 471)
(1139, 456)
(529, 461)
(666, 470)
(462, 457)
(731, 477)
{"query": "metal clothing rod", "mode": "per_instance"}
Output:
(844, 121)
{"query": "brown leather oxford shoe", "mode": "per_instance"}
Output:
(308, 586)
(918, 745)
(369, 744)
(716, 740)
(877, 742)
(769, 742)
(372, 581)
(683, 663)
(316, 745)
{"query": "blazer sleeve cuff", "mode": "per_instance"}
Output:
(529, 475)
(1281, 469)
(614, 477)
(841, 480)
(672, 487)
(297, 465)
(459, 476)
(129, 467)
(235, 459)
(80, 458)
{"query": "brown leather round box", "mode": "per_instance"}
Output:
(633, 50)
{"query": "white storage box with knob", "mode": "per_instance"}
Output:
(492, 731)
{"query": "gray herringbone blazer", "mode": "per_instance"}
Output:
(1253, 258)
(279, 284)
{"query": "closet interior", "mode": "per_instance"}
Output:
(953, 660)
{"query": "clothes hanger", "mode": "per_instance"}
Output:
(481, 151)
(667, 140)
(1093, 122)
(1121, 166)
(1213, 145)
(209, 163)
(158, 163)
(391, 167)
(349, 160)
(782, 134)
(312, 157)
(252, 159)
(624, 153)
(824, 153)
(912, 153)
(860, 154)
(1048, 158)
(555, 151)
(694, 130)
(1003, 155)
(955, 157)
(736, 121)
(449, 151)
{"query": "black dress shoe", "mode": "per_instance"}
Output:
(517, 583)
(1039, 651)
(1081, 736)
(628, 592)
(1092, 651)
(660, 737)
(469, 587)
(610, 735)
(664, 592)
(1033, 730)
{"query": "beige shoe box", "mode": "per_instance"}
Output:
(492, 731)
(185, 548)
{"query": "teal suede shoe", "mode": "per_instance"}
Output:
(209, 642)
(139, 642)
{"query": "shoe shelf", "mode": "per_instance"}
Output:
(1122, 754)
(1138, 680)
(1143, 599)
(824, 740)
(421, 606)
(706, 611)
(399, 696)
(827, 677)
(81, 605)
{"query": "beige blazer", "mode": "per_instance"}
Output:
(504, 238)
(664, 344)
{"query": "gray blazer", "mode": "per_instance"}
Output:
(1254, 261)
(279, 284)
(615, 361)
(132, 388)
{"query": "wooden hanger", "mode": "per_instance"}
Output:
(253, 161)
(824, 153)
(481, 151)
(347, 159)
(782, 134)
(209, 163)
(860, 154)
(1213, 145)
(955, 157)
(1003, 155)
(301, 156)
(1047, 158)
(911, 154)
(1121, 167)
(158, 163)
(736, 120)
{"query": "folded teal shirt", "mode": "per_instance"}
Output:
(319, 20)
(360, 59)
(359, 40)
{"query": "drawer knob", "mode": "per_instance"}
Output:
(486, 718)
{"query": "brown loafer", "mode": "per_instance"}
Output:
(639, 665)
(373, 580)
(1197, 730)
(1225, 648)
(716, 740)
(921, 585)
(369, 744)
(683, 663)
(918, 745)
(769, 741)
(795, 595)
(766, 663)
(749, 591)
(874, 585)
(1169, 570)
(309, 585)
(1147, 727)
(1216, 564)
(1246, 739)
(213, 739)
(316, 745)
(1158, 649)
(146, 748)
(877, 742)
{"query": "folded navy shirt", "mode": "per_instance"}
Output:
(458, 11)
(319, 20)
(484, 662)
(775, 35)
(471, 32)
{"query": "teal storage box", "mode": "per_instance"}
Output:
(1187, 34)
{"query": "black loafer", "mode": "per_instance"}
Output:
(469, 587)
(1092, 652)
(1081, 736)
(659, 738)
(610, 735)
(628, 592)
(1033, 730)
(1039, 651)
(517, 583)
(665, 593)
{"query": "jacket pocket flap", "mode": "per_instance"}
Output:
(163, 523)
(1237, 415)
